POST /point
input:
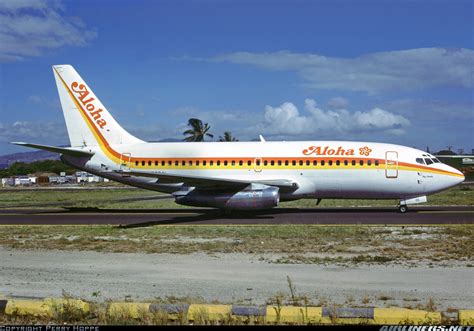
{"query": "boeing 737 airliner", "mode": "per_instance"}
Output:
(241, 175)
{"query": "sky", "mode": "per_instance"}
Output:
(385, 71)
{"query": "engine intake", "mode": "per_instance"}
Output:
(251, 199)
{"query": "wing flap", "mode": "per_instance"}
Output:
(61, 150)
(214, 183)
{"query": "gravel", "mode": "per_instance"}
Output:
(228, 278)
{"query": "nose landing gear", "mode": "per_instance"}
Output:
(402, 208)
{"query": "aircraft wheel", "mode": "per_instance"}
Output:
(402, 208)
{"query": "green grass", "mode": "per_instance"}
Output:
(461, 195)
(73, 198)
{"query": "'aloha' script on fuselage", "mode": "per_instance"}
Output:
(326, 150)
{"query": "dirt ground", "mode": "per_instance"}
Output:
(230, 278)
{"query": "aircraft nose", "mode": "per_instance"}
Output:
(457, 179)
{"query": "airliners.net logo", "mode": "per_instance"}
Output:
(426, 328)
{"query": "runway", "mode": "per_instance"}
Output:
(151, 217)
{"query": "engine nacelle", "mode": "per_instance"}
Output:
(251, 199)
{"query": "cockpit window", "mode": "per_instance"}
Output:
(435, 160)
(428, 161)
(420, 160)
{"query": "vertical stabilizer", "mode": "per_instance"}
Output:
(88, 121)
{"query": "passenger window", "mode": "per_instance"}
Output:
(287, 162)
(176, 163)
(156, 163)
(233, 162)
(241, 163)
(338, 162)
(204, 162)
(353, 162)
(272, 163)
(265, 162)
(136, 163)
(218, 162)
(346, 162)
(315, 163)
(258, 162)
(428, 161)
(308, 163)
(376, 162)
(169, 162)
(279, 162)
(369, 162)
(225, 163)
(211, 163)
(197, 162)
(249, 163)
(190, 162)
(361, 162)
(301, 162)
(323, 162)
(183, 163)
(143, 163)
(162, 163)
(330, 162)
(293, 162)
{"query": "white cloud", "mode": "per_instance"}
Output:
(379, 119)
(338, 103)
(49, 103)
(372, 73)
(286, 120)
(41, 132)
(28, 28)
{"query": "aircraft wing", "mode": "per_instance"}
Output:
(61, 150)
(214, 183)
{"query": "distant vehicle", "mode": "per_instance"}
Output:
(241, 175)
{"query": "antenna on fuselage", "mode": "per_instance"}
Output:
(261, 138)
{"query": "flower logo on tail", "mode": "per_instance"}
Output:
(365, 151)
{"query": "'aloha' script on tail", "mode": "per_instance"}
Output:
(88, 121)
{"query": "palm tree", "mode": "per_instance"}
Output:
(227, 137)
(198, 131)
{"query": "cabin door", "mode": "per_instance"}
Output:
(391, 164)
(125, 160)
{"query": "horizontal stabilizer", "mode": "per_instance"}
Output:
(61, 150)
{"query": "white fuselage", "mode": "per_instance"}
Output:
(322, 169)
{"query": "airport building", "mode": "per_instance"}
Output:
(80, 177)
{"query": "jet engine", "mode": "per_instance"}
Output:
(247, 199)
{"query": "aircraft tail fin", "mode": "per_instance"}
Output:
(88, 121)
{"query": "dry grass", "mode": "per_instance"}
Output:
(345, 245)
